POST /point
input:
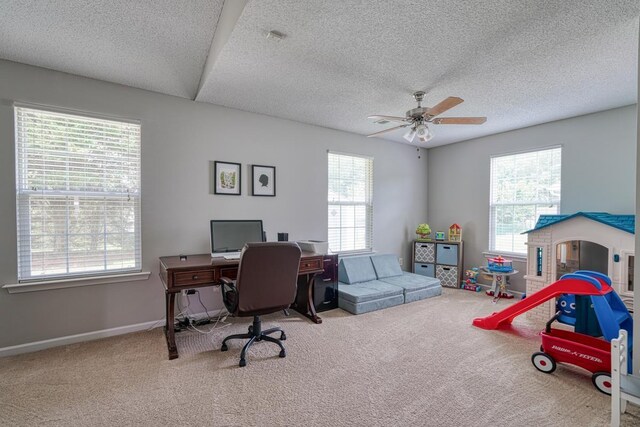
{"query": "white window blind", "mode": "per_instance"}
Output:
(350, 203)
(78, 195)
(523, 186)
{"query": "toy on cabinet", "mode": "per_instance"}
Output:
(455, 233)
(440, 235)
(423, 231)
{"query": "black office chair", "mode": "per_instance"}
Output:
(266, 283)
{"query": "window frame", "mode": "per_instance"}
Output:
(369, 185)
(624, 284)
(492, 227)
(23, 219)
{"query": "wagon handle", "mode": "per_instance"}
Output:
(553, 319)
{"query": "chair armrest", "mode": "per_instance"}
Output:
(229, 294)
(228, 282)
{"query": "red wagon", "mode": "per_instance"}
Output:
(587, 352)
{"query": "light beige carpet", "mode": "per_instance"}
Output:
(420, 364)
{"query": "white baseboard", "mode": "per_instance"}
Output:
(90, 336)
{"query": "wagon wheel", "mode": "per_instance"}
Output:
(543, 362)
(602, 381)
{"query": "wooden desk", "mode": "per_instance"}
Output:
(199, 271)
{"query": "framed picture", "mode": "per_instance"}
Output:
(227, 178)
(264, 180)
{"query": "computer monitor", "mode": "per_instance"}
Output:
(231, 235)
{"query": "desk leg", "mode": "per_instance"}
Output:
(313, 315)
(169, 330)
(304, 299)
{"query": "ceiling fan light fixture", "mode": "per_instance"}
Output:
(424, 133)
(411, 133)
(419, 118)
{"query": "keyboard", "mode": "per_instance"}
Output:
(232, 256)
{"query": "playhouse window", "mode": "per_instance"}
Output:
(538, 261)
(523, 187)
(630, 260)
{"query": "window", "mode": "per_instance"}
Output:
(539, 262)
(523, 186)
(78, 195)
(350, 203)
(630, 261)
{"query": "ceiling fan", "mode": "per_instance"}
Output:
(418, 119)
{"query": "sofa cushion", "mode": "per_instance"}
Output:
(411, 296)
(372, 290)
(356, 269)
(386, 265)
(373, 305)
(412, 282)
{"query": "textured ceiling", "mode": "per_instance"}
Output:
(159, 45)
(517, 62)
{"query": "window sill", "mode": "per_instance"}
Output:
(47, 285)
(354, 253)
(510, 255)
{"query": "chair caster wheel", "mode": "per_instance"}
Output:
(224, 347)
(283, 337)
(282, 353)
(242, 363)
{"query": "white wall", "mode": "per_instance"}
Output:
(179, 139)
(636, 276)
(598, 173)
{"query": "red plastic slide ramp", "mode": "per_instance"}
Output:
(571, 285)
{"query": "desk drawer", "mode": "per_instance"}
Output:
(330, 266)
(309, 265)
(229, 272)
(194, 277)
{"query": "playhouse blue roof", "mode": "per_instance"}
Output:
(621, 222)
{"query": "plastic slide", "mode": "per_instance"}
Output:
(578, 283)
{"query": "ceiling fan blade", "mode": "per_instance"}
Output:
(459, 121)
(389, 118)
(445, 105)
(387, 130)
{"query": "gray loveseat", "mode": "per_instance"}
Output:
(368, 283)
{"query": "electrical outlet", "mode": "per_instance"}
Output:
(401, 261)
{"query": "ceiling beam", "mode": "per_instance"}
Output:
(229, 15)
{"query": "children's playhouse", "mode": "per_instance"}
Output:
(596, 241)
